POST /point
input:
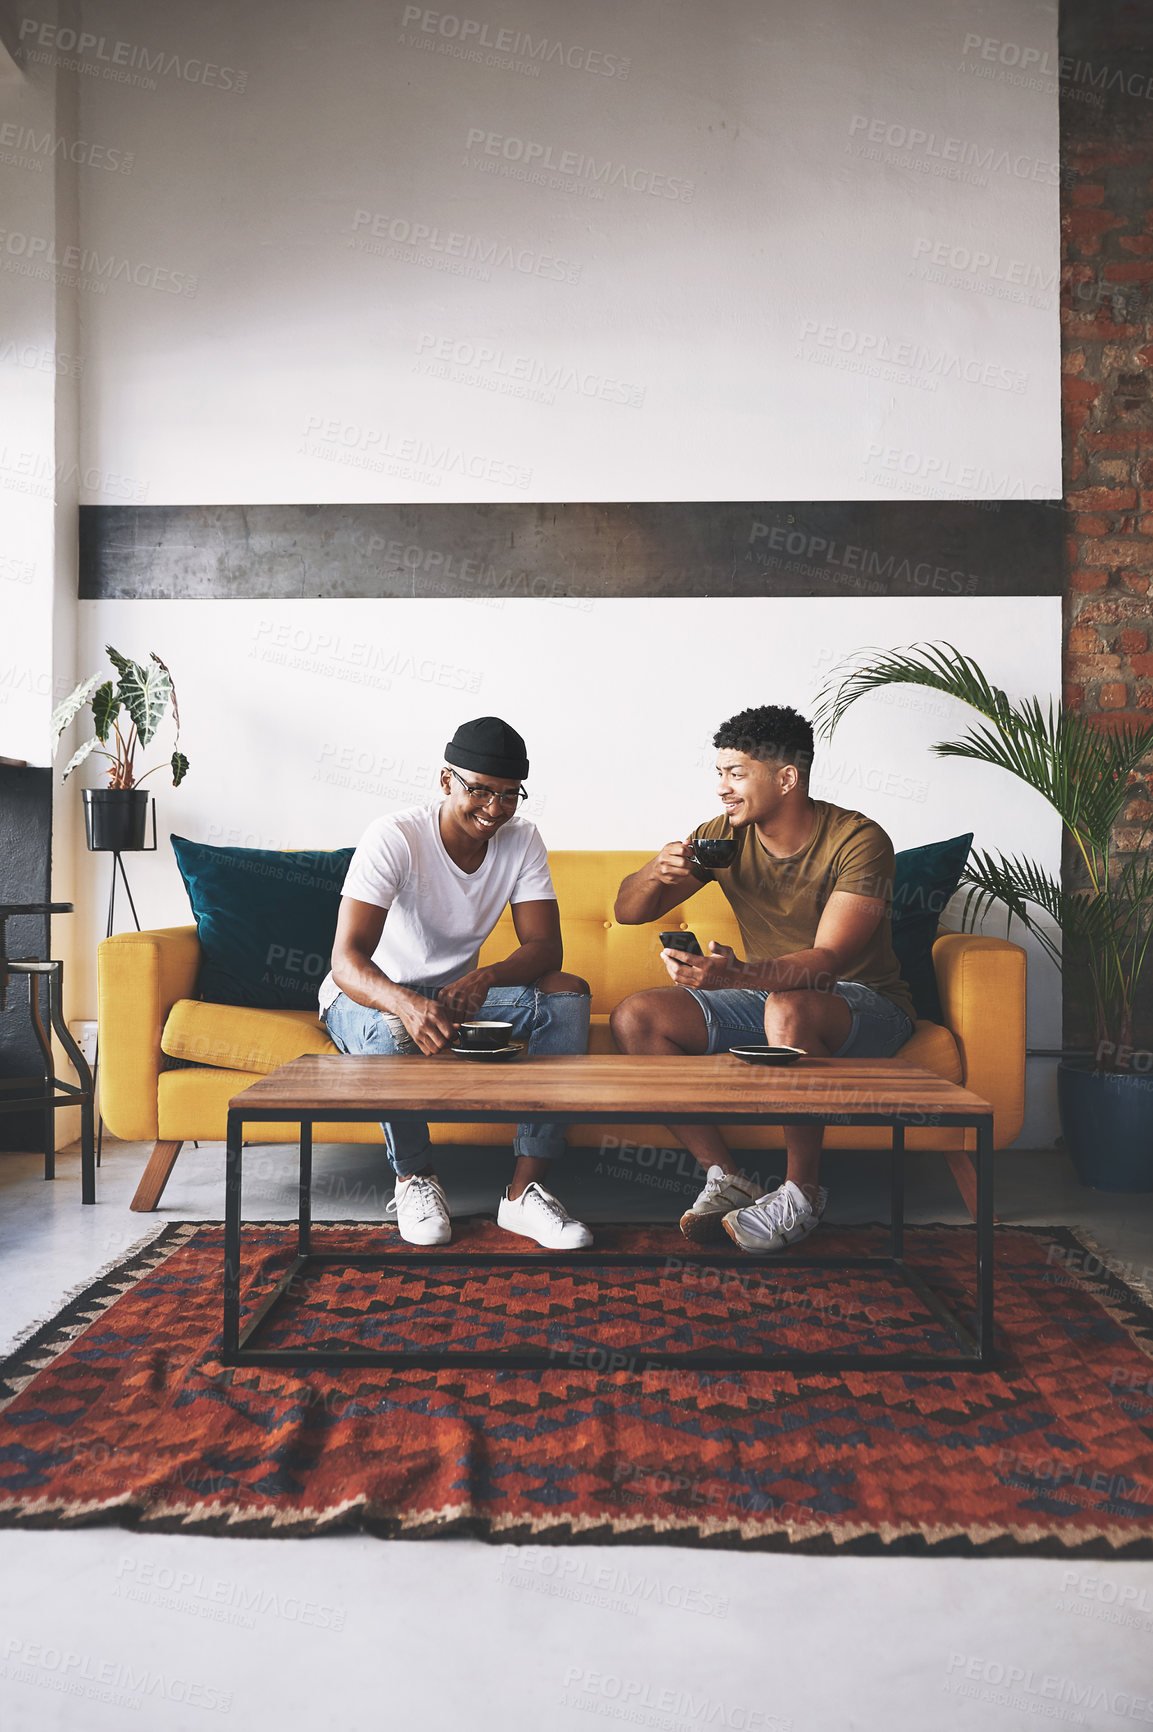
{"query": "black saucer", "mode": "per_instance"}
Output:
(768, 1054)
(490, 1054)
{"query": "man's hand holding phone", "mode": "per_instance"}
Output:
(688, 967)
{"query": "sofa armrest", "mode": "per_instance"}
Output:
(982, 986)
(140, 976)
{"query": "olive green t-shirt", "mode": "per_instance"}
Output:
(778, 902)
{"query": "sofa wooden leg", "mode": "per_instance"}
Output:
(155, 1177)
(965, 1173)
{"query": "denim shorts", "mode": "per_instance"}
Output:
(549, 1022)
(736, 1017)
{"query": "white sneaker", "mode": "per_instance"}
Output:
(537, 1214)
(723, 1192)
(422, 1210)
(783, 1217)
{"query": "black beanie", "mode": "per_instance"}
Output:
(490, 747)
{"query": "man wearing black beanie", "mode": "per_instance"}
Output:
(424, 890)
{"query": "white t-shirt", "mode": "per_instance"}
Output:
(438, 915)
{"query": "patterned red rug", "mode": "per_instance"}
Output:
(120, 1411)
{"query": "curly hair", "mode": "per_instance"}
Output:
(773, 733)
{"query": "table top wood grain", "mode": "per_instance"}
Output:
(605, 1085)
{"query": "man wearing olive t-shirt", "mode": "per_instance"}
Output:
(811, 887)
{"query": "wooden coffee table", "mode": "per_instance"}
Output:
(716, 1090)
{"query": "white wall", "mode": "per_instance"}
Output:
(303, 720)
(858, 300)
(850, 293)
(39, 380)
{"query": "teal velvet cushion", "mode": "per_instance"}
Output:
(924, 880)
(265, 918)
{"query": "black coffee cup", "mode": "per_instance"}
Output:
(484, 1036)
(714, 851)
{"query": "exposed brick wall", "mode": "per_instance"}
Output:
(1107, 389)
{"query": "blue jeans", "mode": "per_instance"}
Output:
(735, 1016)
(552, 1022)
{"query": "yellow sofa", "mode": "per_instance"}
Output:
(149, 1017)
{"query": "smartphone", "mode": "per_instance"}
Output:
(685, 941)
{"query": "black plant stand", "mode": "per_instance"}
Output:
(52, 1091)
(117, 866)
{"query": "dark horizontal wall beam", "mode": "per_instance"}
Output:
(856, 547)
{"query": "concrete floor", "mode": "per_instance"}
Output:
(350, 1633)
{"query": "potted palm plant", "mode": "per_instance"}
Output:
(1098, 930)
(126, 713)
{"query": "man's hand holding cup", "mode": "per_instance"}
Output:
(674, 862)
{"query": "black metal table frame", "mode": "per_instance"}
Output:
(240, 1347)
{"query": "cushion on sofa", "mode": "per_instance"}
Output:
(933, 1048)
(237, 1037)
(924, 880)
(265, 918)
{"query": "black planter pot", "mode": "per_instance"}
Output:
(1107, 1123)
(115, 819)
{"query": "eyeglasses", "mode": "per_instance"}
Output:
(482, 795)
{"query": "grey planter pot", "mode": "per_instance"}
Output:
(1107, 1123)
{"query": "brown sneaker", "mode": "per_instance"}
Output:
(723, 1192)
